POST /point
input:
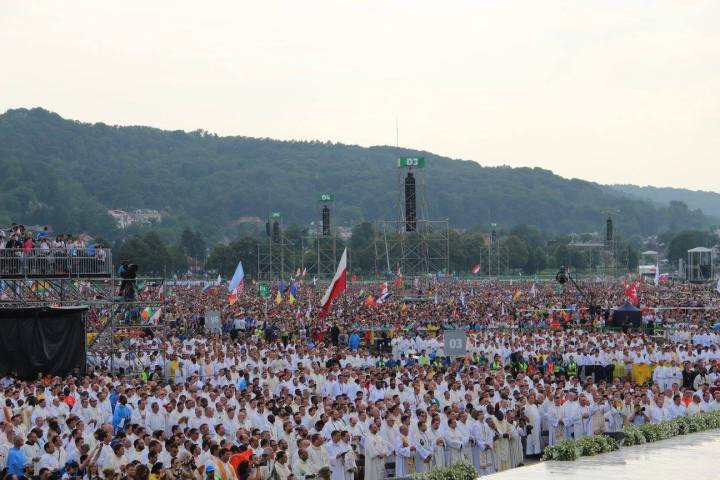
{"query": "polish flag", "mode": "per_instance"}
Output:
(475, 269)
(631, 293)
(338, 285)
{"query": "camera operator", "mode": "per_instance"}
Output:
(128, 273)
(640, 414)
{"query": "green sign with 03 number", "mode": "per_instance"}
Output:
(417, 162)
(327, 197)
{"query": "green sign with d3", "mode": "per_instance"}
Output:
(417, 162)
(327, 197)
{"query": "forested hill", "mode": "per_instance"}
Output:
(68, 174)
(708, 202)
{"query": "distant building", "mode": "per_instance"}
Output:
(122, 218)
(143, 216)
(344, 232)
(249, 219)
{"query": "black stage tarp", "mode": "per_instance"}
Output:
(50, 341)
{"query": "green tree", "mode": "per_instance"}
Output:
(688, 239)
(517, 251)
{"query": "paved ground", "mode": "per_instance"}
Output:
(695, 456)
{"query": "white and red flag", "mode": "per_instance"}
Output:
(337, 286)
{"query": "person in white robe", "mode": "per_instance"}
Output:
(553, 417)
(404, 453)
(350, 460)
(482, 437)
(439, 454)
(501, 442)
(424, 448)
(534, 440)
(455, 442)
(376, 450)
(337, 451)
(572, 417)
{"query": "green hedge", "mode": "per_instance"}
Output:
(458, 471)
(574, 449)
(585, 447)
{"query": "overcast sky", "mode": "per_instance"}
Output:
(610, 91)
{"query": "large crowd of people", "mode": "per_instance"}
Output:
(368, 392)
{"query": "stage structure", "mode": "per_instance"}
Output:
(598, 252)
(320, 254)
(413, 245)
(700, 265)
(113, 321)
(275, 257)
(494, 258)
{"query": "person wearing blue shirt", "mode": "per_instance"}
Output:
(354, 341)
(16, 459)
(122, 414)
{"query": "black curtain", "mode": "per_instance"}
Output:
(42, 340)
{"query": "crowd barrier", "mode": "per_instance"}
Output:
(18, 263)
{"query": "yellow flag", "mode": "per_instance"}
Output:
(278, 298)
(291, 299)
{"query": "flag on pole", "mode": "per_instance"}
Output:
(476, 269)
(219, 279)
(462, 298)
(533, 291)
(146, 313)
(336, 287)
(717, 287)
(309, 310)
(293, 292)
(631, 293)
(399, 278)
(155, 318)
(232, 297)
(278, 298)
(238, 278)
(657, 274)
(384, 293)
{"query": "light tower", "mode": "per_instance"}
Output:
(319, 250)
(412, 245)
(275, 257)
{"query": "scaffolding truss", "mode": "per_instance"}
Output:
(320, 255)
(494, 260)
(113, 324)
(426, 250)
(276, 260)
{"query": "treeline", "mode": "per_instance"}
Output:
(523, 249)
(67, 174)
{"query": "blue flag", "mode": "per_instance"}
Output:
(237, 277)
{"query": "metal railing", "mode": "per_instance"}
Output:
(19, 262)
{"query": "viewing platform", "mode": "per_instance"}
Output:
(18, 264)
